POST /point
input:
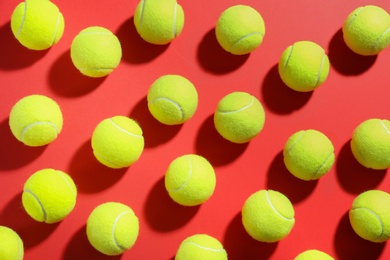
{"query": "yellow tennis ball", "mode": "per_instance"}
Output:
(370, 143)
(190, 180)
(200, 247)
(240, 29)
(49, 195)
(370, 215)
(172, 99)
(96, 51)
(239, 117)
(313, 254)
(37, 25)
(268, 216)
(112, 228)
(366, 30)
(308, 154)
(117, 142)
(36, 120)
(304, 66)
(11, 246)
(159, 22)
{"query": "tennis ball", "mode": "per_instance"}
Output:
(112, 228)
(96, 51)
(117, 142)
(36, 120)
(304, 66)
(370, 215)
(268, 216)
(308, 154)
(366, 30)
(49, 195)
(37, 25)
(159, 22)
(190, 180)
(239, 117)
(240, 29)
(11, 246)
(200, 247)
(313, 254)
(172, 99)
(370, 143)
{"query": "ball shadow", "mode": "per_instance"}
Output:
(211, 145)
(30, 231)
(344, 60)
(67, 81)
(162, 213)
(84, 167)
(150, 125)
(280, 179)
(14, 55)
(216, 60)
(354, 177)
(348, 245)
(278, 97)
(80, 248)
(239, 245)
(15, 154)
(135, 50)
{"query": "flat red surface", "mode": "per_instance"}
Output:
(357, 89)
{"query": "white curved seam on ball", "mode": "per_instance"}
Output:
(23, 20)
(114, 228)
(56, 28)
(188, 177)
(93, 32)
(376, 216)
(142, 14)
(273, 207)
(105, 158)
(238, 110)
(319, 168)
(96, 69)
(288, 58)
(174, 20)
(379, 39)
(124, 130)
(296, 141)
(67, 183)
(39, 202)
(245, 36)
(354, 16)
(170, 101)
(34, 124)
(319, 71)
(205, 248)
(385, 127)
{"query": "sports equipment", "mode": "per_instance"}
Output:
(49, 195)
(268, 216)
(11, 246)
(112, 228)
(117, 142)
(239, 117)
(37, 25)
(313, 254)
(304, 66)
(190, 180)
(240, 29)
(159, 22)
(96, 51)
(308, 154)
(370, 143)
(172, 99)
(200, 247)
(366, 30)
(36, 120)
(370, 215)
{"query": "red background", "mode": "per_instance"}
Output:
(357, 89)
